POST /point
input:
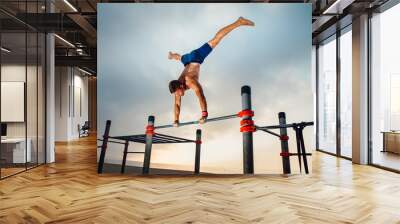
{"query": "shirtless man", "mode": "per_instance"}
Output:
(189, 78)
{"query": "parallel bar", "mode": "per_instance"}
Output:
(171, 142)
(168, 136)
(124, 157)
(198, 148)
(268, 131)
(160, 140)
(248, 160)
(157, 138)
(111, 141)
(130, 137)
(298, 144)
(304, 124)
(104, 147)
(295, 154)
(303, 151)
(284, 143)
(149, 142)
(197, 122)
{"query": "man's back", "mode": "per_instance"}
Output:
(191, 71)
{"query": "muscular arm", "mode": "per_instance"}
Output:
(177, 107)
(195, 85)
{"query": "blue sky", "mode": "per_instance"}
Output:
(274, 58)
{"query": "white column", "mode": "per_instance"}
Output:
(360, 90)
(50, 110)
(50, 92)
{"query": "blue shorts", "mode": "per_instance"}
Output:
(197, 55)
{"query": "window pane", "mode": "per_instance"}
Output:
(346, 93)
(386, 89)
(327, 96)
(14, 150)
(31, 97)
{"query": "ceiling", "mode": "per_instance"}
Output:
(75, 22)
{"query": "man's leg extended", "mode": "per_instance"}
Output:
(225, 30)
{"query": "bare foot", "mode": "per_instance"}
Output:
(170, 55)
(175, 56)
(245, 22)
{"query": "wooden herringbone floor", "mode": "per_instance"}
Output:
(70, 191)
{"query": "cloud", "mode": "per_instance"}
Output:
(134, 73)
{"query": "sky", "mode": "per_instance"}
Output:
(274, 58)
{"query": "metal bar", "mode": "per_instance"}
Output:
(198, 148)
(173, 137)
(104, 147)
(269, 132)
(298, 147)
(304, 124)
(197, 122)
(160, 141)
(284, 144)
(111, 140)
(248, 160)
(124, 158)
(129, 138)
(149, 142)
(295, 154)
(135, 152)
(171, 142)
(133, 138)
(7, 13)
(157, 139)
(303, 150)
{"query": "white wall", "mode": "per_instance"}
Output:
(71, 87)
(34, 125)
(16, 73)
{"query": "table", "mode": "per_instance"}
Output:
(391, 141)
(13, 150)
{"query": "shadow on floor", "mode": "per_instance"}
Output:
(134, 170)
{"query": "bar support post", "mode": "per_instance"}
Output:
(198, 148)
(104, 147)
(149, 143)
(284, 144)
(303, 149)
(125, 155)
(248, 160)
(298, 144)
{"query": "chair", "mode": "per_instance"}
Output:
(84, 129)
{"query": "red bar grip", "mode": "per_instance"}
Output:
(198, 142)
(284, 138)
(248, 113)
(285, 154)
(251, 128)
(150, 130)
(246, 122)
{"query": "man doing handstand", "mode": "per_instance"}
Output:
(189, 79)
